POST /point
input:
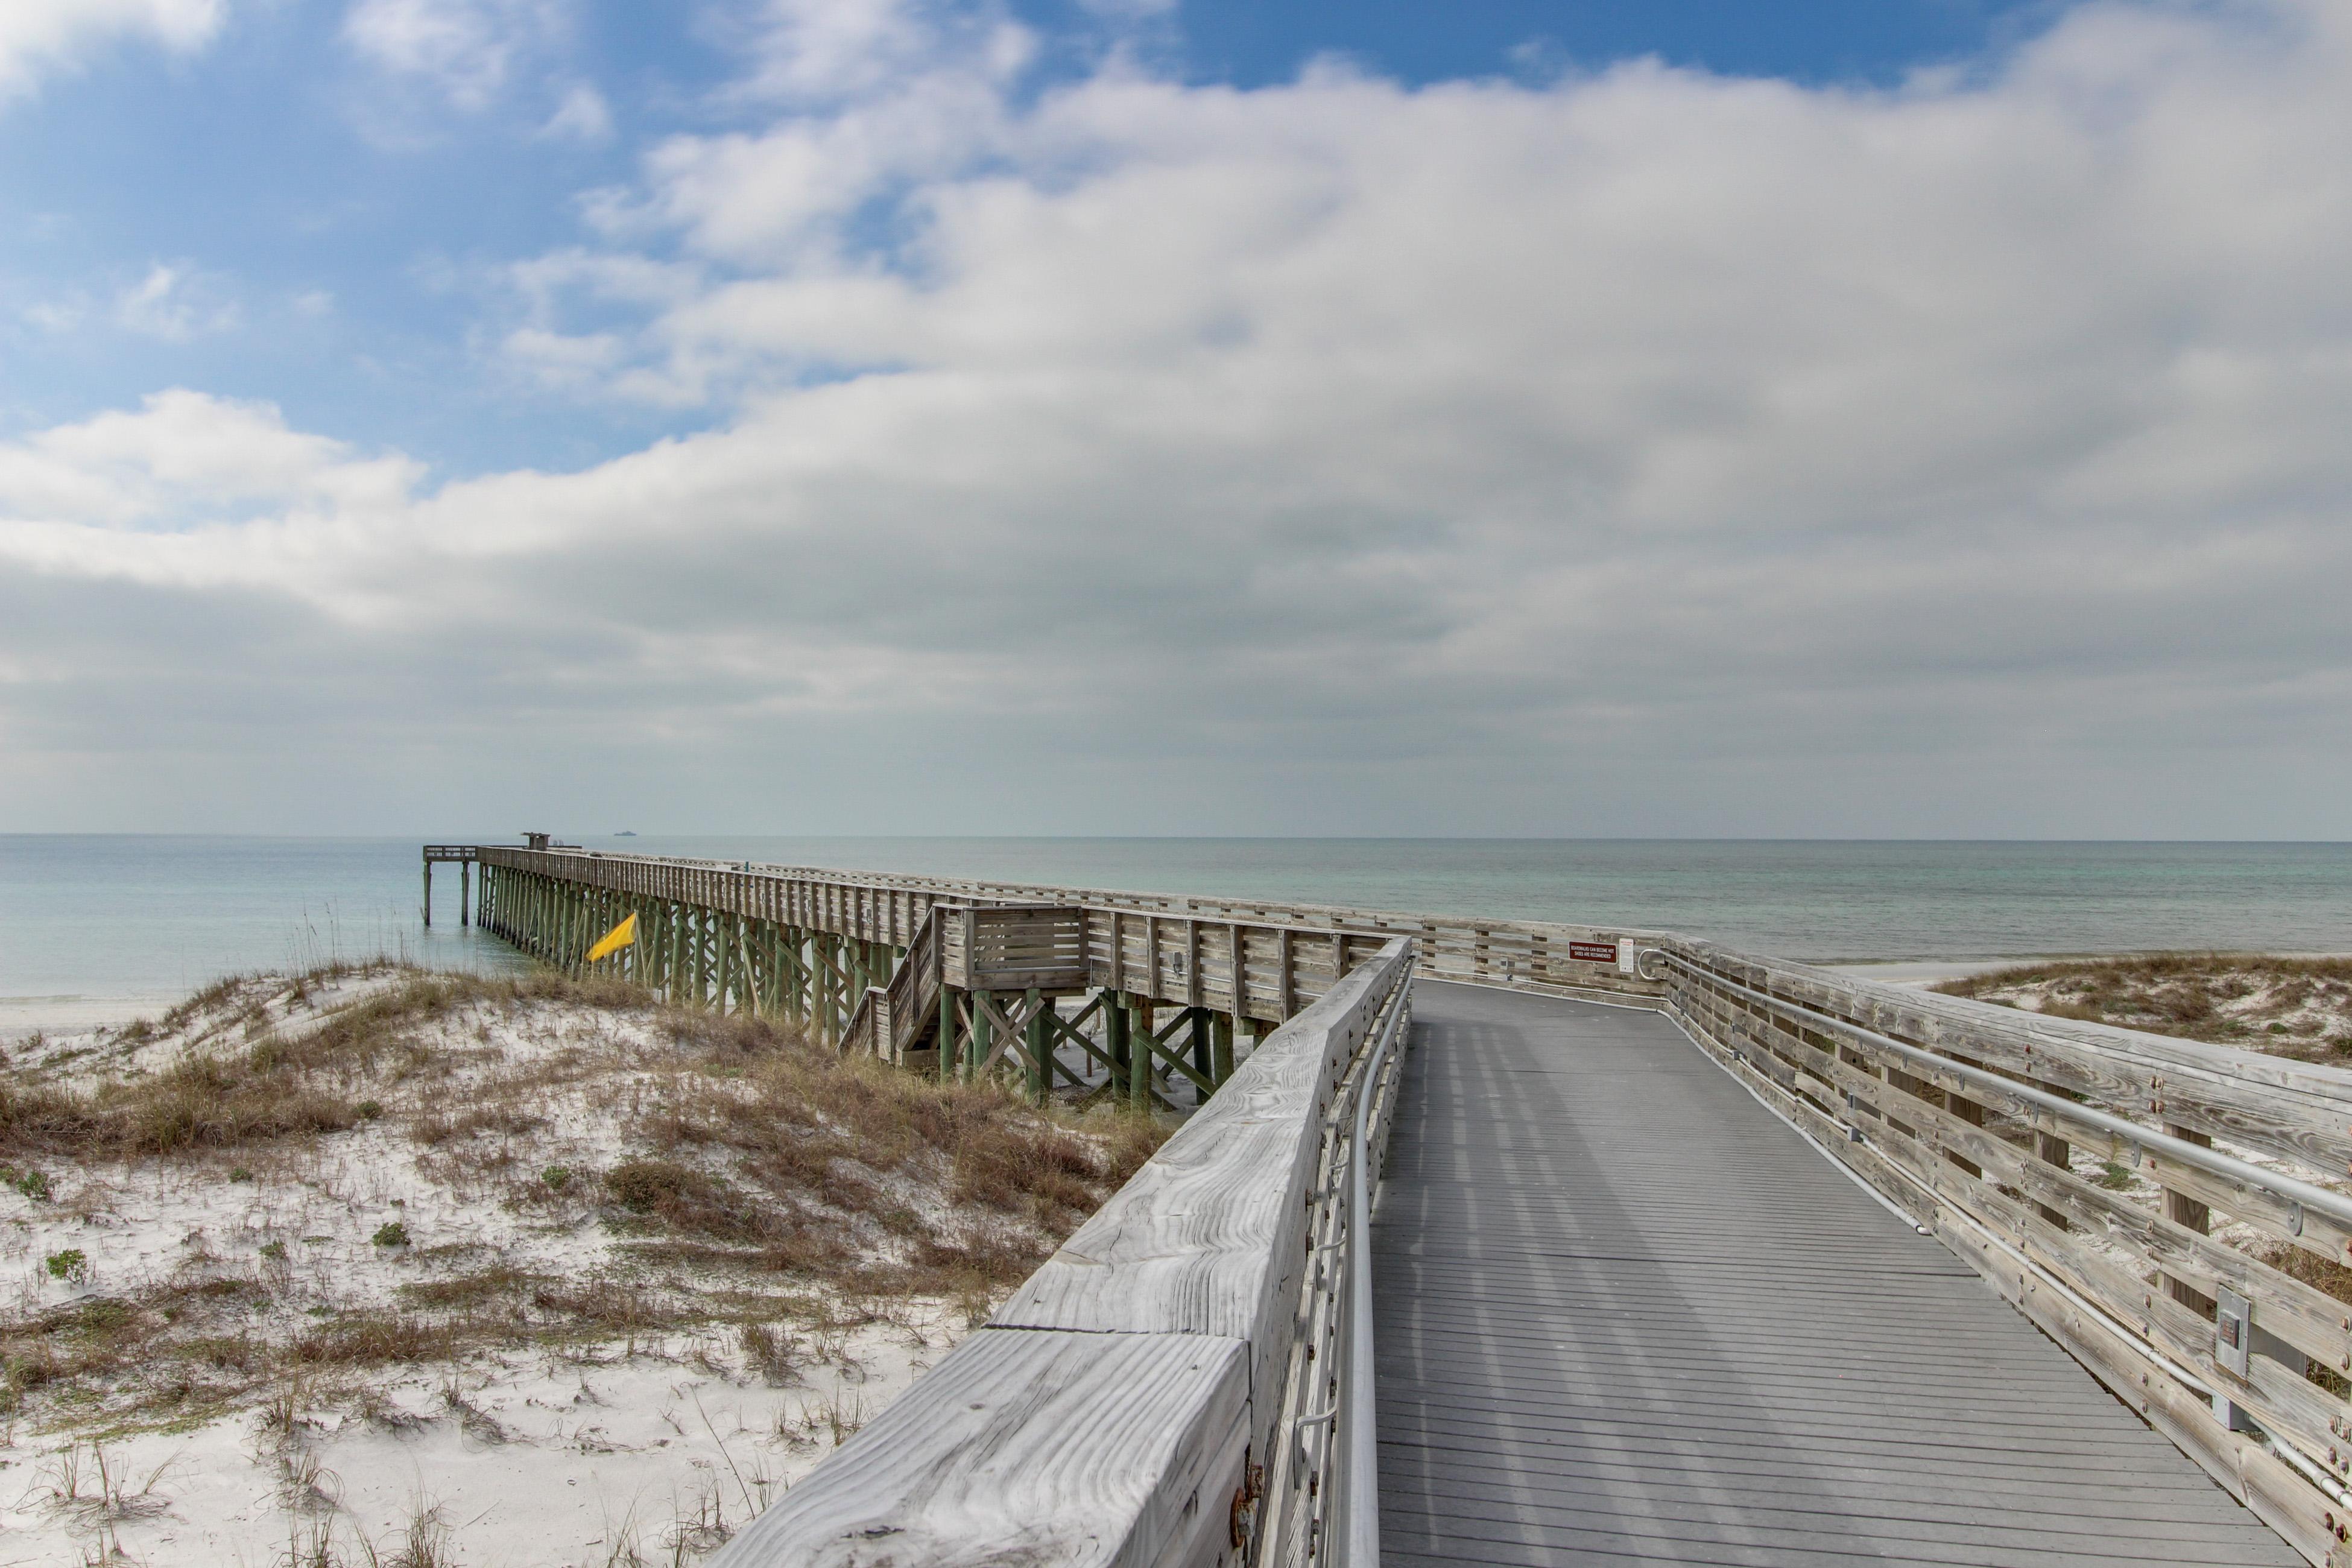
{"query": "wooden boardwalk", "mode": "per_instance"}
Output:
(1625, 1315)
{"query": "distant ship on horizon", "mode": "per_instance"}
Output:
(624, 833)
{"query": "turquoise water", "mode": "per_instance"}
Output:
(138, 917)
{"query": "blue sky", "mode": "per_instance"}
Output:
(1899, 417)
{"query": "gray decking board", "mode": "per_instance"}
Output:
(1624, 1315)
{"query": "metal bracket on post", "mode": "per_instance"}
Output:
(2233, 1349)
(2234, 1329)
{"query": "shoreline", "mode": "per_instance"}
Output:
(23, 1016)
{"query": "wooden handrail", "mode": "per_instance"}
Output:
(2184, 1282)
(2085, 1171)
(1114, 1409)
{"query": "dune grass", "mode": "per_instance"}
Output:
(723, 1174)
(2291, 1007)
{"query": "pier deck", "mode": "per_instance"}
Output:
(1626, 1315)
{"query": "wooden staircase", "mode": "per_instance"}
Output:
(897, 1020)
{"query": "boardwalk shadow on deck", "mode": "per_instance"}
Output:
(1624, 1315)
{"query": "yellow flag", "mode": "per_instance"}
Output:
(620, 936)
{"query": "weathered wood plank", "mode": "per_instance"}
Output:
(1205, 1239)
(2295, 1110)
(1033, 1449)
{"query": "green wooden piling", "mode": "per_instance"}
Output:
(1138, 1071)
(1041, 1045)
(726, 934)
(1116, 1044)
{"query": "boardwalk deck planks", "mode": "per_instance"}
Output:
(2110, 1184)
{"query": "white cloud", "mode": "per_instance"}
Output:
(465, 50)
(814, 53)
(582, 116)
(38, 36)
(173, 303)
(182, 460)
(559, 359)
(1645, 452)
(58, 316)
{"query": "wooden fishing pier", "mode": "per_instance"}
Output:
(1682, 1255)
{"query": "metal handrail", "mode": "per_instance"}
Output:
(2334, 1205)
(1360, 1424)
(1328, 1512)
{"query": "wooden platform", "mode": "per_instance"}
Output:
(1625, 1315)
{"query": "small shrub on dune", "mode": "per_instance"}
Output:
(688, 1200)
(1043, 1172)
(370, 1340)
(772, 1352)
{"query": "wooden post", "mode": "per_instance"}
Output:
(1221, 1048)
(428, 892)
(1041, 1046)
(2054, 1150)
(803, 974)
(726, 960)
(1968, 1110)
(465, 877)
(1197, 1020)
(698, 966)
(947, 1035)
(780, 973)
(1138, 1071)
(1193, 962)
(1115, 1042)
(983, 1035)
(2183, 1210)
(1240, 948)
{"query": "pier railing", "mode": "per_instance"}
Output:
(1171, 946)
(1168, 1388)
(1537, 955)
(956, 978)
(2178, 1215)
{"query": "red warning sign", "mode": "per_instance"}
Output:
(1593, 952)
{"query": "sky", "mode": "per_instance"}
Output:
(1835, 418)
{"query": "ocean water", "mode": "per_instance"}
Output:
(109, 917)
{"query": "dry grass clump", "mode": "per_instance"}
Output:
(2321, 1274)
(180, 1344)
(777, 1144)
(651, 1170)
(2290, 1007)
(228, 1090)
